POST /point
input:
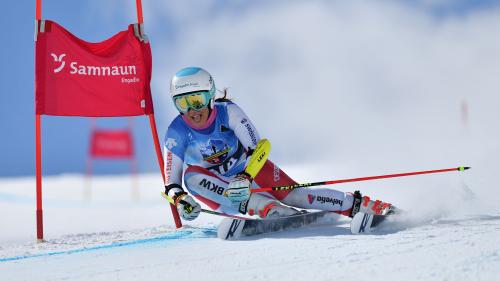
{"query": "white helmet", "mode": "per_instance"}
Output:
(192, 79)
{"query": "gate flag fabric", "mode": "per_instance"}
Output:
(79, 78)
(111, 144)
(106, 79)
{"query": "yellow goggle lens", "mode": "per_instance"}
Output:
(181, 104)
(195, 101)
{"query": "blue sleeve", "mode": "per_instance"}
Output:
(173, 154)
(243, 128)
(175, 139)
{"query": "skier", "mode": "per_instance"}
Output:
(215, 140)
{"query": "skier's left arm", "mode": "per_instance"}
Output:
(243, 128)
(239, 188)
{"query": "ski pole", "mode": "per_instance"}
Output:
(299, 185)
(170, 200)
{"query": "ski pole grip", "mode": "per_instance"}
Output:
(171, 201)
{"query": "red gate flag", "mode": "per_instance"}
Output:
(105, 79)
(111, 144)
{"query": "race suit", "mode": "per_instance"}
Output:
(209, 158)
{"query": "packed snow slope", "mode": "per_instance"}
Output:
(115, 228)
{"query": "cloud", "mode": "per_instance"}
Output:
(353, 85)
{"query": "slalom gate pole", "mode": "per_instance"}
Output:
(154, 132)
(38, 10)
(138, 4)
(38, 164)
(152, 123)
(299, 185)
(38, 147)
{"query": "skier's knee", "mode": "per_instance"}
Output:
(266, 207)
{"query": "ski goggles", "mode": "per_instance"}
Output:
(195, 100)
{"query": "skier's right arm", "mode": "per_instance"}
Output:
(174, 148)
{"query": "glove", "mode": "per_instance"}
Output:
(238, 189)
(186, 206)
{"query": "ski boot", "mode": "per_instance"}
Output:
(365, 205)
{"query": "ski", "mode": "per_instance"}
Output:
(234, 229)
(365, 223)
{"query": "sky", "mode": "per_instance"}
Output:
(355, 84)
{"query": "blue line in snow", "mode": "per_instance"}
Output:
(182, 234)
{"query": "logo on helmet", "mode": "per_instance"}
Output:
(190, 84)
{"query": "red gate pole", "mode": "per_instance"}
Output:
(152, 122)
(38, 5)
(39, 212)
(140, 19)
(38, 153)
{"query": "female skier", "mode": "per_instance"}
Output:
(214, 140)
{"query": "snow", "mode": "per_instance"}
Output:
(120, 230)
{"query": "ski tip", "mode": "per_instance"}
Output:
(230, 229)
(361, 223)
(463, 168)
